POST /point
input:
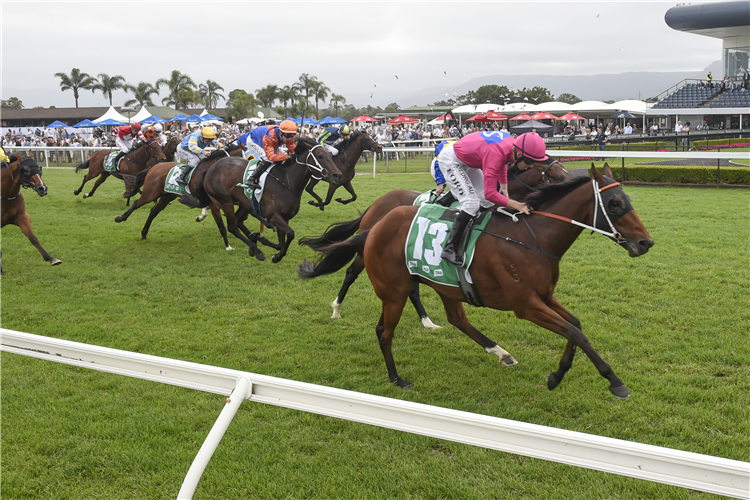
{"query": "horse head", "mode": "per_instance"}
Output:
(154, 150)
(29, 173)
(618, 214)
(368, 143)
(317, 160)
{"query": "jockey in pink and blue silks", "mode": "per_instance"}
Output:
(474, 166)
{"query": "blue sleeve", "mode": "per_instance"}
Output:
(439, 179)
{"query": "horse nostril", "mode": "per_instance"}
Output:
(646, 243)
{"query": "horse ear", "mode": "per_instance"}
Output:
(597, 175)
(608, 171)
(593, 169)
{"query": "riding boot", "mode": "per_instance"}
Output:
(254, 181)
(184, 177)
(446, 199)
(451, 248)
(116, 161)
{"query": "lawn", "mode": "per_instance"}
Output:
(672, 323)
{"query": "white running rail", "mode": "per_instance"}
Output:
(652, 463)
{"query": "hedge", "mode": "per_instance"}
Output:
(734, 176)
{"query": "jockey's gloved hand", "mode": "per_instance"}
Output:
(293, 156)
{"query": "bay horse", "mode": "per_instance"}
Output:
(130, 166)
(520, 183)
(515, 265)
(170, 147)
(153, 180)
(281, 195)
(22, 171)
(349, 152)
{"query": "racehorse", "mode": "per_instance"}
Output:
(130, 166)
(520, 183)
(280, 202)
(349, 152)
(154, 179)
(170, 147)
(22, 171)
(515, 265)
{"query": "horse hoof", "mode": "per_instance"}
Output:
(55, 261)
(508, 360)
(552, 381)
(76, 192)
(621, 392)
(427, 323)
(118, 219)
(404, 384)
(198, 219)
(260, 256)
(229, 248)
(276, 259)
(85, 196)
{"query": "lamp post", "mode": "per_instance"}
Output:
(129, 109)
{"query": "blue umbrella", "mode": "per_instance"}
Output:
(56, 124)
(179, 118)
(209, 116)
(623, 114)
(194, 118)
(308, 121)
(153, 119)
(338, 120)
(327, 121)
(85, 124)
(109, 121)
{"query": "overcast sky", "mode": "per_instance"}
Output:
(355, 48)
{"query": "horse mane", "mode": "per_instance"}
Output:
(553, 192)
(307, 141)
(514, 170)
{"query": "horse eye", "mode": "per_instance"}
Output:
(614, 205)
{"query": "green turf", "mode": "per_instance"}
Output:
(673, 324)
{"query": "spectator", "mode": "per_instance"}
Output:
(710, 80)
(628, 129)
(601, 139)
(678, 127)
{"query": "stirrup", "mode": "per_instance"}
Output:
(452, 256)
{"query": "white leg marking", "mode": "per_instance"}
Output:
(336, 309)
(229, 247)
(505, 358)
(427, 323)
(203, 215)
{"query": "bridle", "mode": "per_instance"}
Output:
(23, 180)
(599, 205)
(545, 179)
(317, 167)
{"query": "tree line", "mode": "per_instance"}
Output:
(305, 96)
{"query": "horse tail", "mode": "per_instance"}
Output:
(333, 257)
(200, 198)
(140, 179)
(83, 166)
(335, 233)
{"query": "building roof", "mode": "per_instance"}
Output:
(716, 19)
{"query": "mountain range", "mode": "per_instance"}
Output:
(632, 85)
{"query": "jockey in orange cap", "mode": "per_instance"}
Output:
(265, 142)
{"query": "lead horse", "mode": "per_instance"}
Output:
(131, 165)
(21, 171)
(349, 152)
(515, 266)
(520, 183)
(222, 186)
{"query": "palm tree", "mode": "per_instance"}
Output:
(335, 100)
(75, 81)
(109, 83)
(240, 104)
(320, 93)
(267, 95)
(287, 94)
(177, 82)
(142, 94)
(210, 93)
(304, 86)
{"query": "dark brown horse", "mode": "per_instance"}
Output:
(520, 183)
(349, 152)
(515, 266)
(131, 165)
(221, 185)
(170, 147)
(153, 180)
(22, 171)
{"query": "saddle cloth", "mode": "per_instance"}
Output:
(258, 194)
(428, 233)
(172, 186)
(109, 162)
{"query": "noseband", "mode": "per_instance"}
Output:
(23, 180)
(317, 167)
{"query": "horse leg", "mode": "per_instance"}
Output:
(385, 331)
(348, 186)
(83, 183)
(286, 235)
(352, 273)
(417, 303)
(318, 200)
(545, 316)
(135, 206)
(216, 213)
(24, 223)
(457, 317)
(203, 215)
(160, 205)
(554, 378)
(252, 248)
(102, 177)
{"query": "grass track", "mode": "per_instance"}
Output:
(673, 324)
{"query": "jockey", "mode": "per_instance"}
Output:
(264, 143)
(474, 166)
(331, 136)
(149, 132)
(437, 174)
(191, 148)
(125, 137)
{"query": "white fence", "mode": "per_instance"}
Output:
(652, 463)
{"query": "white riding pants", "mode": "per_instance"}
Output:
(331, 149)
(124, 145)
(466, 183)
(188, 157)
